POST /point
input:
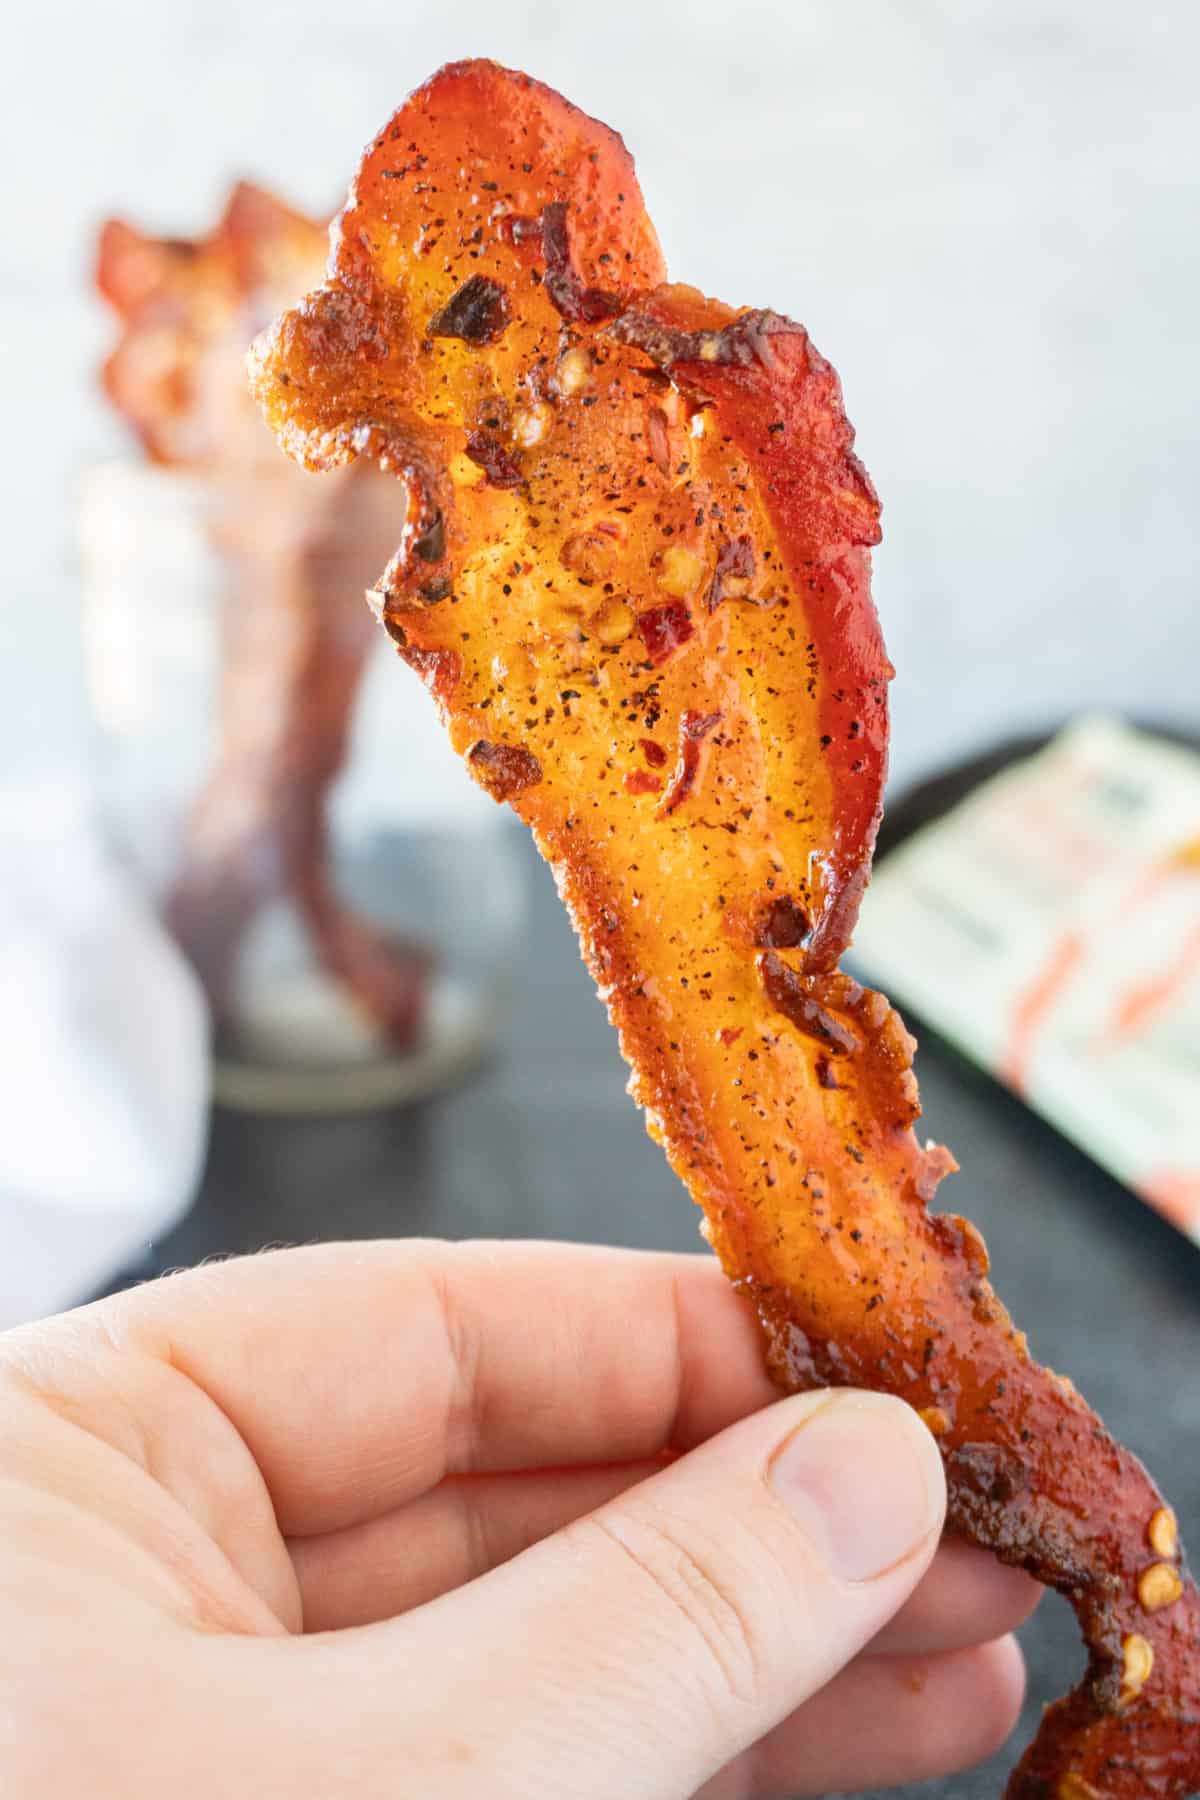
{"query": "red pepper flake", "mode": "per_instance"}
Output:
(694, 727)
(664, 628)
(654, 753)
(519, 228)
(504, 769)
(565, 287)
(784, 926)
(477, 313)
(735, 562)
(641, 781)
(657, 437)
(498, 464)
(729, 1034)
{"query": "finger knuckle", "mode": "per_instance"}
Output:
(699, 1584)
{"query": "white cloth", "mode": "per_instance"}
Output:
(104, 1065)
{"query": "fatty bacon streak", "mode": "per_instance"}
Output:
(634, 574)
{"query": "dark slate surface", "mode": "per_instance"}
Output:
(543, 1141)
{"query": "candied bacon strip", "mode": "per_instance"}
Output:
(294, 644)
(678, 457)
(188, 307)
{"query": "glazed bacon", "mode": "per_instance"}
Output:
(295, 643)
(646, 620)
(188, 307)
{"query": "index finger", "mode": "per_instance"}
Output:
(359, 1375)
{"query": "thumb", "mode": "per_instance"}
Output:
(641, 1648)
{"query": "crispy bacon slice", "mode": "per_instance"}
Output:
(189, 307)
(295, 645)
(680, 575)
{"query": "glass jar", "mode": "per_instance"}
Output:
(283, 788)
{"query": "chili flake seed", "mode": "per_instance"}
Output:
(531, 424)
(680, 571)
(1135, 1673)
(1158, 1586)
(574, 372)
(1074, 1787)
(1163, 1533)
(611, 623)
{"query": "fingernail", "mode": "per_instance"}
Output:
(864, 1478)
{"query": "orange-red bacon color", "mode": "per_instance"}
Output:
(634, 575)
(294, 644)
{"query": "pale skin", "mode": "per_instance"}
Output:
(414, 1518)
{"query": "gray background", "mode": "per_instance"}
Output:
(986, 211)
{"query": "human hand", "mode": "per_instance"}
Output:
(532, 1510)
